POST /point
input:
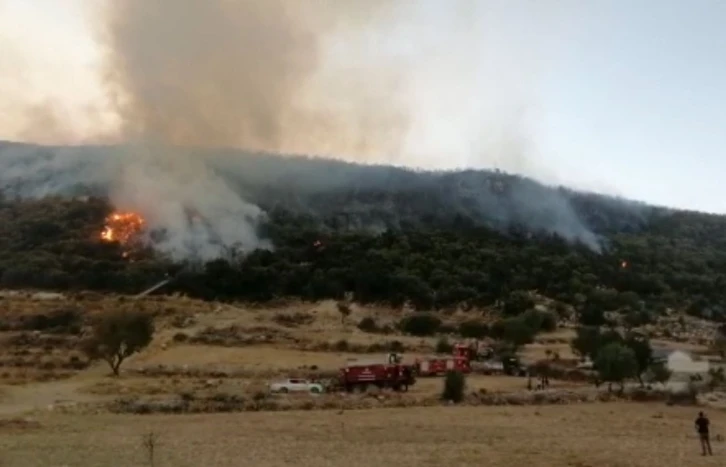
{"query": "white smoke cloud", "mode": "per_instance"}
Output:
(181, 195)
(377, 81)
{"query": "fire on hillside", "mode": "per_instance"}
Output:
(123, 228)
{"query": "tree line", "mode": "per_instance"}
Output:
(676, 261)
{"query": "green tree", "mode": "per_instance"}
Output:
(716, 378)
(659, 372)
(615, 363)
(586, 342)
(517, 332)
(592, 315)
(640, 345)
(636, 318)
(719, 345)
(118, 335)
(454, 386)
(517, 303)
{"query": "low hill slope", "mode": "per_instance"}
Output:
(434, 239)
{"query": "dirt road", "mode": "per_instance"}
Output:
(18, 400)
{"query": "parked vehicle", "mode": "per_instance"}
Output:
(359, 375)
(485, 361)
(585, 365)
(438, 365)
(296, 385)
(514, 367)
(488, 367)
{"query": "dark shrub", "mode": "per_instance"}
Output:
(420, 324)
(454, 386)
(368, 324)
(473, 329)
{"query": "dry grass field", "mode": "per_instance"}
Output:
(217, 353)
(586, 435)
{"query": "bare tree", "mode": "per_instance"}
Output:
(149, 442)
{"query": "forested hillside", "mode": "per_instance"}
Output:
(436, 240)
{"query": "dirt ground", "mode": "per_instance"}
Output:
(42, 373)
(593, 435)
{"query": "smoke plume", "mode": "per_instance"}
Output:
(253, 74)
(369, 81)
(247, 74)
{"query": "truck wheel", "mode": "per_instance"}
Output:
(315, 390)
(362, 388)
(284, 390)
(404, 388)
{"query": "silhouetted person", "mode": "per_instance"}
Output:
(702, 425)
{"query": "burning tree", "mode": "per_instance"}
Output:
(123, 228)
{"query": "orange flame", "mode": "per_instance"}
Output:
(121, 227)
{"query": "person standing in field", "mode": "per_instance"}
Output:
(702, 426)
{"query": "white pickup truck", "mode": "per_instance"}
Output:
(296, 385)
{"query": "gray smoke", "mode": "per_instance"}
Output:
(304, 77)
(367, 196)
(249, 74)
(254, 74)
(166, 187)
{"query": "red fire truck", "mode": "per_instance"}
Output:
(359, 375)
(437, 365)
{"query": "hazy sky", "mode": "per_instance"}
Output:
(624, 97)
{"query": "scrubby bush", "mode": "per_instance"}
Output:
(396, 347)
(473, 329)
(180, 337)
(549, 321)
(341, 346)
(344, 310)
(293, 320)
(368, 324)
(66, 320)
(420, 324)
(443, 346)
(540, 321)
(447, 328)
